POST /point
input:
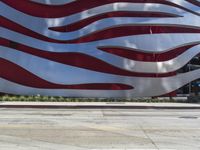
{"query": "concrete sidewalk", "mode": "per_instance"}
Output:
(99, 129)
(98, 105)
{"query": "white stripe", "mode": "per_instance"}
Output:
(136, 66)
(186, 4)
(115, 22)
(165, 66)
(143, 87)
(53, 2)
(105, 23)
(147, 43)
(52, 71)
(34, 22)
(9, 11)
(126, 64)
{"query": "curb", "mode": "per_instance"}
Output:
(93, 106)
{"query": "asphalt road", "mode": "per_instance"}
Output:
(58, 129)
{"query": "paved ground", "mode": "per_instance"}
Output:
(99, 105)
(58, 129)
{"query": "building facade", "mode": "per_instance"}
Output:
(100, 48)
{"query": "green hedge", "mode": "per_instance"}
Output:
(65, 99)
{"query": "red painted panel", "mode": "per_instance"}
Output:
(79, 60)
(17, 74)
(139, 55)
(56, 11)
(112, 32)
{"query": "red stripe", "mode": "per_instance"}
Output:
(79, 60)
(127, 30)
(55, 11)
(17, 74)
(138, 55)
(82, 23)
(112, 32)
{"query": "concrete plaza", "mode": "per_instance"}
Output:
(117, 129)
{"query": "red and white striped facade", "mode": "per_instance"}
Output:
(97, 48)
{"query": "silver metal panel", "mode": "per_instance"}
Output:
(116, 69)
